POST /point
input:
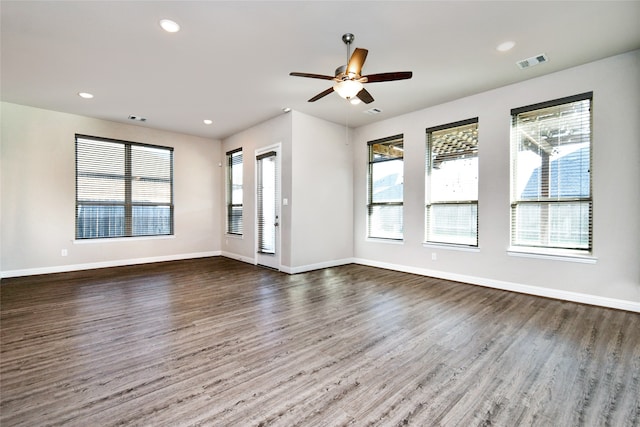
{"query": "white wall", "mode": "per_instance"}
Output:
(38, 195)
(316, 166)
(274, 131)
(615, 275)
(321, 202)
(38, 192)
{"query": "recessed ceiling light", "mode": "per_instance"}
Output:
(506, 46)
(85, 95)
(207, 121)
(169, 26)
(286, 109)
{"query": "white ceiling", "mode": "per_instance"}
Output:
(231, 60)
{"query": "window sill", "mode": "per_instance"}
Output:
(382, 240)
(552, 254)
(451, 246)
(121, 239)
(234, 236)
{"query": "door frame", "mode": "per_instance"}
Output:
(268, 260)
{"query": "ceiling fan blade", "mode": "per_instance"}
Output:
(387, 77)
(357, 61)
(365, 96)
(312, 76)
(321, 94)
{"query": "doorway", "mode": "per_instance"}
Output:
(268, 207)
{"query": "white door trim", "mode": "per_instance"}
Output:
(269, 260)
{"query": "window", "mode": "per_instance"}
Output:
(123, 189)
(234, 192)
(385, 188)
(551, 204)
(452, 183)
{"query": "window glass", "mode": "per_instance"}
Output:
(386, 188)
(452, 184)
(551, 205)
(123, 189)
(234, 192)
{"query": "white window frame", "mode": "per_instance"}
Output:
(394, 232)
(107, 178)
(459, 141)
(546, 201)
(234, 228)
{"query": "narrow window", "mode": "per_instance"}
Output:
(551, 205)
(385, 188)
(234, 192)
(123, 189)
(452, 184)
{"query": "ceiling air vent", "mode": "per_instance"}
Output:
(534, 60)
(138, 118)
(373, 111)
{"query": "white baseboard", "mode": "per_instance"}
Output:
(292, 270)
(238, 257)
(318, 266)
(104, 264)
(490, 283)
(510, 286)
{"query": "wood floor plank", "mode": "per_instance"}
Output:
(214, 341)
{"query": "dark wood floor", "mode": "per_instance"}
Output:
(218, 342)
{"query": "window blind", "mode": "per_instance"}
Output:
(234, 192)
(386, 188)
(123, 189)
(451, 213)
(551, 203)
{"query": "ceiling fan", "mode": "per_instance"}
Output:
(349, 83)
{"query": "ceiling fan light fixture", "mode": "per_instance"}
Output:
(348, 88)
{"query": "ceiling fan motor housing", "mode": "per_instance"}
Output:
(341, 73)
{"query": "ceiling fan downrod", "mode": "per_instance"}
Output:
(348, 38)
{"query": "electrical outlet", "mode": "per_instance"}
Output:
(434, 256)
(64, 252)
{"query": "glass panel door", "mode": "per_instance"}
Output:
(267, 209)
